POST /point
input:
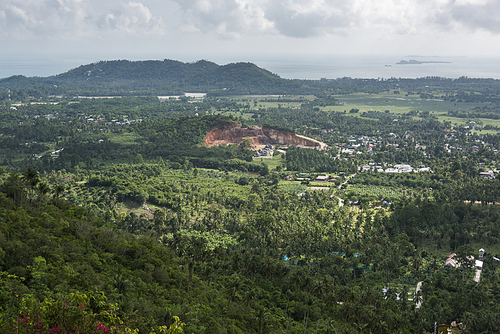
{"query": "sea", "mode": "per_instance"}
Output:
(286, 66)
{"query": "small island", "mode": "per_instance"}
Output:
(418, 62)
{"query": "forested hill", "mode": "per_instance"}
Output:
(158, 77)
(171, 77)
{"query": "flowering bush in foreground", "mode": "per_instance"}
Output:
(76, 313)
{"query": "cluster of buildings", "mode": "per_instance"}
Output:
(354, 143)
(478, 263)
(389, 168)
(308, 177)
(264, 152)
(454, 141)
(113, 121)
(489, 174)
(452, 261)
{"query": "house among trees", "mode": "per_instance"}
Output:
(403, 168)
(452, 261)
(487, 174)
(266, 151)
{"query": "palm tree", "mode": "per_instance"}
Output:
(251, 296)
(31, 178)
(120, 284)
(360, 326)
(309, 302)
(234, 284)
(43, 189)
(58, 190)
(464, 257)
(418, 299)
(13, 187)
(216, 265)
(331, 324)
(206, 270)
(167, 316)
(182, 266)
(261, 318)
(197, 250)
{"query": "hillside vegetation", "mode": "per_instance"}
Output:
(115, 218)
(123, 77)
(171, 77)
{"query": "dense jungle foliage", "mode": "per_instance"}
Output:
(216, 262)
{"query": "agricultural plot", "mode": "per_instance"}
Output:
(273, 101)
(375, 193)
(272, 163)
(399, 103)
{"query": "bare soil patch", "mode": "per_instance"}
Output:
(318, 188)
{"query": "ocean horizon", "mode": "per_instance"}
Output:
(287, 67)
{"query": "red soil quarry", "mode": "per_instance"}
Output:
(233, 133)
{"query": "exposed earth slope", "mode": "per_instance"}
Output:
(233, 133)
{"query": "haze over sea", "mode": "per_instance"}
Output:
(287, 66)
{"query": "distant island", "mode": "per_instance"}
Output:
(418, 62)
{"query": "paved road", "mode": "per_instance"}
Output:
(477, 277)
(341, 201)
(419, 287)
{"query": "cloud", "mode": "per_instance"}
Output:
(240, 19)
(74, 18)
(309, 18)
(228, 18)
(132, 18)
(293, 18)
(470, 15)
(300, 18)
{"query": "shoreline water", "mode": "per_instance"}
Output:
(289, 67)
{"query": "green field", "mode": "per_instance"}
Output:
(385, 102)
(273, 162)
(257, 102)
(399, 103)
(125, 138)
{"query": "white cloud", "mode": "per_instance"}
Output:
(295, 18)
(250, 25)
(131, 18)
(298, 18)
(469, 15)
(228, 18)
(307, 18)
(471, 2)
(74, 18)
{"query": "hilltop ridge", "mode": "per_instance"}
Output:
(127, 77)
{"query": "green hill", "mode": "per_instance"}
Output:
(150, 77)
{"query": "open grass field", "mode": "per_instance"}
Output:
(398, 103)
(272, 163)
(259, 101)
(246, 116)
(293, 186)
(276, 105)
(401, 104)
(125, 138)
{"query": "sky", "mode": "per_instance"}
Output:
(237, 30)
